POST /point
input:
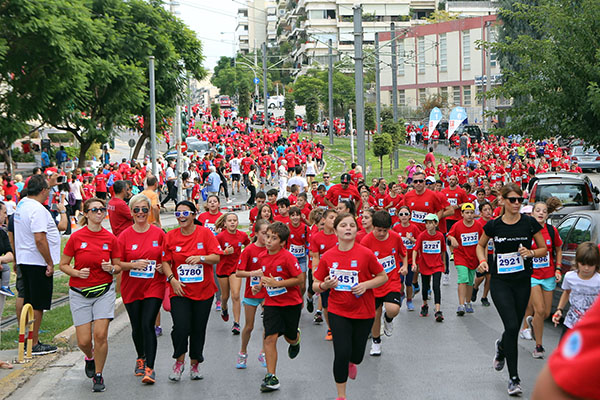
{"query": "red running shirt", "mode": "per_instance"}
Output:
(237, 240)
(405, 233)
(208, 220)
(119, 215)
(421, 205)
(468, 238)
(543, 267)
(281, 265)
(389, 253)
(429, 250)
(250, 261)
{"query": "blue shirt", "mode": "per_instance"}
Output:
(45, 159)
(213, 182)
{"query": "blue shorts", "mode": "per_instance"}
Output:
(303, 262)
(252, 302)
(548, 284)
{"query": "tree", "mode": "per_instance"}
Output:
(382, 146)
(215, 110)
(370, 123)
(343, 90)
(305, 88)
(431, 102)
(312, 113)
(290, 109)
(244, 99)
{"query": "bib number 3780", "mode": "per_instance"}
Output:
(190, 273)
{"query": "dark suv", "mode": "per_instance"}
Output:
(473, 131)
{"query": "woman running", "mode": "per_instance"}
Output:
(92, 294)
(142, 283)
(351, 271)
(408, 231)
(512, 234)
(189, 254)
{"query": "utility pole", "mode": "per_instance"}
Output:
(394, 84)
(264, 62)
(152, 117)
(351, 134)
(359, 88)
(488, 68)
(330, 92)
(377, 85)
(177, 133)
(256, 96)
(189, 102)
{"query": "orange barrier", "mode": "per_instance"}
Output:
(26, 320)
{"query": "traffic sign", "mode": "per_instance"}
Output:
(184, 146)
(256, 81)
(131, 142)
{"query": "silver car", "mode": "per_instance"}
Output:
(586, 157)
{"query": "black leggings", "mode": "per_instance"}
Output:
(190, 318)
(510, 298)
(425, 282)
(225, 191)
(142, 314)
(349, 342)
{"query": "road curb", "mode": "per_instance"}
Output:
(17, 378)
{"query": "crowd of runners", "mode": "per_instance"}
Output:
(349, 253)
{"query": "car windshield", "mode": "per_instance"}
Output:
(569, 194)
(589, 151)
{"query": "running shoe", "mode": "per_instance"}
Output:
(241, 361)
(149, 376)
(140, 367)
(388, 327)
(474, 295)
(499, 359)
(5, 290)
(195, 372)
(178, 369)
(90, 367)
(270, 383)
(469, 308)
(514, 387)
(529, 321)
(424, 310)
(218, 305)
(525, 334)
(318, 318)
(224, 314)
(460, 311)
(329, 336)
(98, 383)
(158, 331)
(262, 360)
(446, 279)
(236, 328)
(40, 349)
(409, 305)
(375, 349)
(451, 258)
(485, 302)
(538, 352)
(310, 305)
(416, 289)
(294, 349)
(439, 316)
(352, 371)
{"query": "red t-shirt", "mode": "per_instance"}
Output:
(119, 215)
(137, 246)
(199, 281)
(405, 233)
(543, 267)
(421, 205)
(250, 261)
(89, 250)
(237, 240)
(297, 243)
(455, 197)
(253, 214)
(430, 249)
(574, 364)
(281, 218)
(394, 204)
(468, 238)
(389, 253)
(100, 182)
(208, 220)
(360, 261)
(336, 193)
(281, 265)
(246, 164)
(321, 242)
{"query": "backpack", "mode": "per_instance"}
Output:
(71, 200)
(552, 233)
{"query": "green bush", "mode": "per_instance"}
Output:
(19, 156)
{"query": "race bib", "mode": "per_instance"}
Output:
(469, 239)
(347, 279)
(408, 243)
(146, 273)
(276, 291)
(432, 247)
(418, 216)
(297, 250)
(254, 280)
(190, 273)
(452, 201)
(490, 246)
(392, 211)
(211, 227)
(541, 262)
(388, 263)
(510, 263)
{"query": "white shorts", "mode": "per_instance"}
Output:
(85, 310)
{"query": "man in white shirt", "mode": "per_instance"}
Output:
(37, 248)
(297, 180)
(236, 174)
(283, 177)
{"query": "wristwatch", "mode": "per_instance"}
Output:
(202, 258)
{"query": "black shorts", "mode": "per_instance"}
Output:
(235, 177)
(225, 276)
(490, 261)
(20, 284)
(282, 320)
(101, 195)
(391, 297)
(38, 286)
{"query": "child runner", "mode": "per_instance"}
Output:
(208, 219)
(299, 241)
(409, 232)
(282, 279)
(283, 210)
(231, 240)
(249, 268)
(430, 251)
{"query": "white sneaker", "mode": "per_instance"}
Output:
(525, 334)
(445, 279)
(388, 327)
(375, 349)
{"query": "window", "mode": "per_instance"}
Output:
(421, 53)
(479, 94)
(443, 53)
(444, 92)
(401, 97)
(467, 95)
(493, 55)
(401, 57)
(466, 49)
(456, 95)
(580, 233)
(565, 227)
(570, 194)
(422, 95)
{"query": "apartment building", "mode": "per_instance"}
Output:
(256, 24)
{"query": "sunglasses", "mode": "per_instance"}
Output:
(143, 209)
(326, 177)
(98, 209)
(514, 200)
(418, 180)
(403, 214)
(184, 214)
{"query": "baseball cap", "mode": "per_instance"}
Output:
(345, 178)
(430, 179)
(467, 206)
(432, 217)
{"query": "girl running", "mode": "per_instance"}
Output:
(408, 231)
(485, 214)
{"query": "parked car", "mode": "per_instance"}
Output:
(442, 128)
(473, 131)
(586, 157)
(194, 144)
(575, 191)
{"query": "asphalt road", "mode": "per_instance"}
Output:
(422, 360)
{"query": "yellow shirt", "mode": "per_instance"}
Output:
(154, 202)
